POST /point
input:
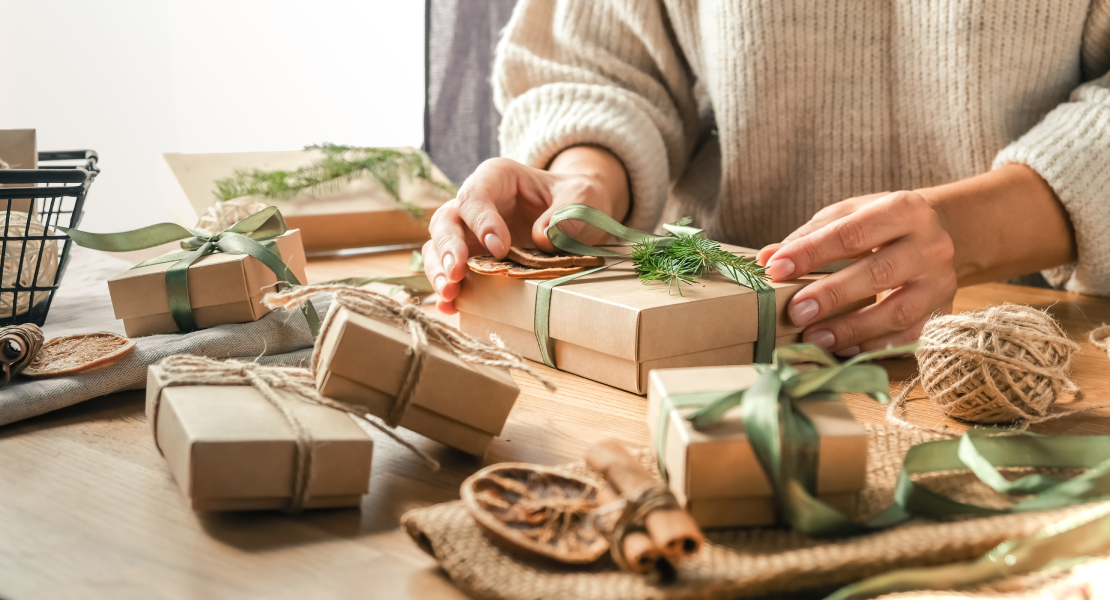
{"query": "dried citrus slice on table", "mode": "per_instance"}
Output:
(71, 354)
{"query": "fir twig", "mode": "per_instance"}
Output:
(690, 257)
(339, 166)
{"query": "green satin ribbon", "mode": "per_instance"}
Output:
(1067, 543)
(786, 444)
(253, 236)
(765, 294)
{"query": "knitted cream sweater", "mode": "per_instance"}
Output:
(752, 115)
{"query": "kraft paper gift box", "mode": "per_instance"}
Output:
(19, 150)
(229, 448)
(715, 474)
(363, 361)
(223, 288)
(611, 328)
(361, 214)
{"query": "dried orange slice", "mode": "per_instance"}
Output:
(70, 354)
(537, 511)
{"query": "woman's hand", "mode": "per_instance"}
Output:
(505, 203)
(901, 246)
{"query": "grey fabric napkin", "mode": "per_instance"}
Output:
(82, 305)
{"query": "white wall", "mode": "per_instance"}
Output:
(133, 79)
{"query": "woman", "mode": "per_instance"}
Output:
(943, 142)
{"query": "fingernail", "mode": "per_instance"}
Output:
(495, 245)
(780, 268)
(821, 337)
(448, 262)
(801, 313)
(439, 283)
(848, 352)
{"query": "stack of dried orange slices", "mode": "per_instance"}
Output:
(529, 263)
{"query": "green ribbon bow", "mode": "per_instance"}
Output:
(786, 444)
(765, 294)
(252, 235)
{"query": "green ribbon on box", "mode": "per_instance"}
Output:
(786, 444)
(253, 236)
(765, 294)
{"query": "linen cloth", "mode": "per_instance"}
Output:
(82, 305)
(753, 115)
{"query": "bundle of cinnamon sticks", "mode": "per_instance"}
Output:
(652, 534)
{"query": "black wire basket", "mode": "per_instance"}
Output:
(54, 194)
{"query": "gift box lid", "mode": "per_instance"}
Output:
(718, 462)
(375, 354)
(214, 280)
(612, 312)
(227, 442)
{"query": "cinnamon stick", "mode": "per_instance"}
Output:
(673, 530)
(640, 553)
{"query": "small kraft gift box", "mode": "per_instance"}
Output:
(18, 150)
(715, 473)
(242, 436)
(410, 369)
(218, 278)
(609, 327)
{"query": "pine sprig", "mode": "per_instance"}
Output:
(339, 166)
(690, 257)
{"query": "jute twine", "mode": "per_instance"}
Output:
(279, 386)
(633, 509)
(1005, 364)
(29, 338)
(422, 329)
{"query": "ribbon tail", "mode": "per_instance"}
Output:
(127, 241)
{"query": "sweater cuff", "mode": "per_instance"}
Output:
(545, 120)
(1069, 149)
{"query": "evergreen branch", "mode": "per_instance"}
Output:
(691, 257)
(339, 167)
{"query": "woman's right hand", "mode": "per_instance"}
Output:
(505, 203)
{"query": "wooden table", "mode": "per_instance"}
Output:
(88, 509)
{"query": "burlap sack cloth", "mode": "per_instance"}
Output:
(742, 562)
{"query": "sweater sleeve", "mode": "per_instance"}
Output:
(604, 72)
(1070, 149)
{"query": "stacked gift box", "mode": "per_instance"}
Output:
(714, 472)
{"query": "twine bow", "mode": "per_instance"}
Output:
(252, 235)
(422, 329)
(279, 386)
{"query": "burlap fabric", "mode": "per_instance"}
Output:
(741, 562)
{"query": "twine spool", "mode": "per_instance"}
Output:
(33, 254)
(1005, 364)
(222, 215)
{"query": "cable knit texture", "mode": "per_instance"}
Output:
(813, 102)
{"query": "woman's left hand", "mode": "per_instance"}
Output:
(901, 246)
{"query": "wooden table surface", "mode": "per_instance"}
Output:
(89, 510)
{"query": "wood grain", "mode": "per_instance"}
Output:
(89, 510)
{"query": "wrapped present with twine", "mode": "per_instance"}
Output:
(410, 369)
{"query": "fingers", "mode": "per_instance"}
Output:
(449, 237)
(491, 189)
(766, 253)
(898, 316)
(433, 269)
(877, 272)
(875, 224)
(571, 190)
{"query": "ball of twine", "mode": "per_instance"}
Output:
(22, 259)
(1005, 364)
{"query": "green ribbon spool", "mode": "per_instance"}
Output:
(252, 236)
(765, 294)
(786, 444)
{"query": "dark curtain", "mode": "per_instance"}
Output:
(460, 122)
